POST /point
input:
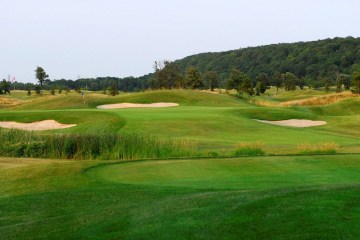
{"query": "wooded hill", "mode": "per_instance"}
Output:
(313, 60)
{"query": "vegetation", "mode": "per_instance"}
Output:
(319, 148)
(220, 175)
(41, 76)
(106, 146)
(250, 149)
(4, 87)
(356, 82)
(301, 197)
(310, 60)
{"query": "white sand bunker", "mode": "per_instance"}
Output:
(300, 123)
(36, 126)
(138, 105)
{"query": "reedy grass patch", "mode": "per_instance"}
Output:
(104, 146)
(319, 148)
(249, 149)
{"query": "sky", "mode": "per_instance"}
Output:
(98, 38)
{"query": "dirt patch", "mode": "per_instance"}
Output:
(137, 105)
(300, 123)
(36, 126)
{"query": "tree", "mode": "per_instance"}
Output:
(193, 78)
(113, 90)
(29, 92)
(327, 83)
(257, 89)
(338, 84)
(41, 76)
(263, 79)
(356, 82)
(211, 80)
(166, 76)
(235, 80)
(37, 89)
(277, 81)
(4, 87)
(246, 87)
(301, 82)
(289, 81)
(343, 80)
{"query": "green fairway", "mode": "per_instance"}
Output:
(186, 182)
(192, 199)
(212, 122)
(244, 174)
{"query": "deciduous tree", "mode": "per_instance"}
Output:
(211, 79)
(356, 82)
(193, 78)
(41, 76)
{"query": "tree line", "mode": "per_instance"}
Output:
(168, 76)
(317, 64)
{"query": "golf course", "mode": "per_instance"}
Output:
(180, 164)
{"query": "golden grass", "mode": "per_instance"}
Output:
(321, 100)
(250, 145)
(4, 101)
(326, 147)
(313, 101)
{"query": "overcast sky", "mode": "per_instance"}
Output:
(93, 38)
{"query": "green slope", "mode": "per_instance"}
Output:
(277, 198)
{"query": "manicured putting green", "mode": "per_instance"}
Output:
(242, 174)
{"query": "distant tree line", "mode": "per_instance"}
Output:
(317, 64)
(312, 61)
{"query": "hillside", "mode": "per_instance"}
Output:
(312, 60)
(322, 58)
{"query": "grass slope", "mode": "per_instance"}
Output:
(273, 198)
(213, 121)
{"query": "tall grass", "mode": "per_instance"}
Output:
(320, 148)
(249, 149)
(104, 146)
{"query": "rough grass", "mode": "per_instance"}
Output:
(249, 149)
(92, 99)
(319, 148)
(105, 146)
(305, 100)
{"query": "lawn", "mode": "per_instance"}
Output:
(208, 195)
(252, 198)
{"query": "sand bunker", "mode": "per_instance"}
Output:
(300, 123)
(137, 105)
(36, 126)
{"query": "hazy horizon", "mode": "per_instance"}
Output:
(112, 38)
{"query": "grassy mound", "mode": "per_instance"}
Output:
(92, 100)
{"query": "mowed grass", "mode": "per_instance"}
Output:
(213, 122)
(309, 197)
(268, 197)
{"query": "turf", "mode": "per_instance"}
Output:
(271, 197)
(274, 198)
(211, 121)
